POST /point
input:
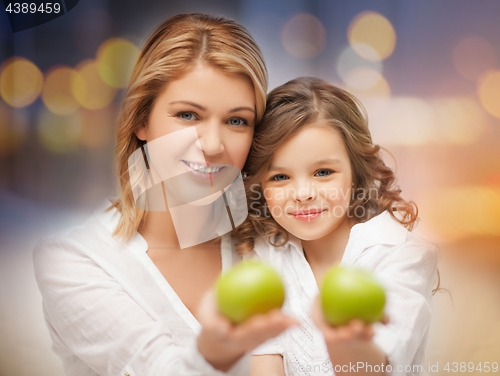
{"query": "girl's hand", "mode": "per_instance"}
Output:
(349, 344)
(354, 330)
(222, 343)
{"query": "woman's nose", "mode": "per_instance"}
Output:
(211, 139)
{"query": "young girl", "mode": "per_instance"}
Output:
(120, 296)
(320, 195)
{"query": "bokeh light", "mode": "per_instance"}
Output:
(57, 93)
(13, 129)
(371, 88)
(115, 60)
(458, 120)
(372, 36)
(408, 121)
(58, 134)
(349, 61)
(97, 127)
(304, 36)
(20, 82)
(460, 212)
(416, 122)
(362, 78)
(473, 56)
(89, 88)
(489, 92)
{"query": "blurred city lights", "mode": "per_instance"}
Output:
(89, 88)
(473, 56)
(58, 134)
(57, 93)
(489, 92)
(304, 36)
(372, 36)
(115, 60)
(458, 120)
(415, 122)
(20, 82)
(97, 127)
(456, 213)
(349, 61)
(375, 97)
(362, 78)
(13, 129)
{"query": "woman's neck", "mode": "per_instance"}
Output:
(188, 224)
(323, 253)
(159, 231)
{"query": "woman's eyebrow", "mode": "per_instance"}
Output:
(242, 109)
(196, 105)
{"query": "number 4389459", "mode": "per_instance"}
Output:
(471, 367)
(33, 8)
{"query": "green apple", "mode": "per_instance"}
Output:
(348, 293)
(249, 288)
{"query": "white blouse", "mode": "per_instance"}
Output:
(110, 311)
(406, 266)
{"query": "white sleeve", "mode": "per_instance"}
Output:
(407, 273)
(271, 346)
(103, 325)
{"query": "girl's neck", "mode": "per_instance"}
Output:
(323, 253)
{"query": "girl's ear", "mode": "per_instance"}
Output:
(141, 133)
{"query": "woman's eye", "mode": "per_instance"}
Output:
(187, 115)
(237, 122)
(279, 177)
(324, 172)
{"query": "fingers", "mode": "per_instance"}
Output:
(259, 328)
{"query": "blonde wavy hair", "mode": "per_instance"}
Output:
(290, 107)
(173, 49)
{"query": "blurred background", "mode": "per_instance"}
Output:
(428, 73)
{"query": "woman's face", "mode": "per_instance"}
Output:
(209, 117)
(308, 185)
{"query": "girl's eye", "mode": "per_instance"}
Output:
(324, 172)
(279, 177)
(237, 122)
(187, 116)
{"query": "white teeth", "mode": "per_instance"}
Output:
(206, 170)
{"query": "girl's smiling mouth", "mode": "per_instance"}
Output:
(306, 215)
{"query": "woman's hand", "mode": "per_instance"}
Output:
(222, 343)
(350, 343)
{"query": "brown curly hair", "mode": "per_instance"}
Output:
(290, 107)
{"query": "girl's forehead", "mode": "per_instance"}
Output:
(318, 140)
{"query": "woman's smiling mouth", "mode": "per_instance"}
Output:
(202, 170)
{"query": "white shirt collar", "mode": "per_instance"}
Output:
(382, 229)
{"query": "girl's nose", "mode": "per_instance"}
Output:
(210, 137)
(303, 192)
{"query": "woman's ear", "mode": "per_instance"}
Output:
(141, 133)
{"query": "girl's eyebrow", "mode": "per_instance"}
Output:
(327, 160)
(320, 162)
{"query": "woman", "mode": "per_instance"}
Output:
(120, 297)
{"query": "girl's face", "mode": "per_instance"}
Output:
(308, 184)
